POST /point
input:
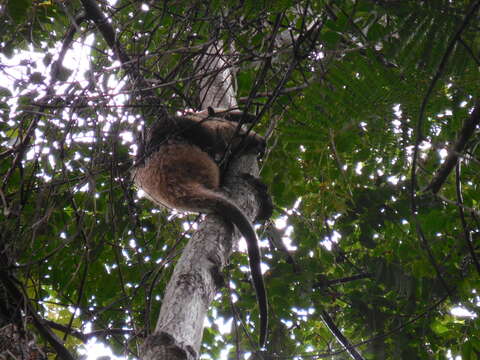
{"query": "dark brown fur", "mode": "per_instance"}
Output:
(176, 168)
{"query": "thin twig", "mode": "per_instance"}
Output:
(470, 210)
(466, 231)
(138, 82)
(344, 280)
(431, 258)
(327, 319)
(470, 51)
(84, 337)
(10, 284)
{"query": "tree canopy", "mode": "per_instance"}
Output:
(372, 115)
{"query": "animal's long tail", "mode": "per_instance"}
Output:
(231, 212)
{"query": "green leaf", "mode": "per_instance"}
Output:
(18, 9)
(439, 328)
(468, 352)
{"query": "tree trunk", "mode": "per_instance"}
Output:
(197, 275)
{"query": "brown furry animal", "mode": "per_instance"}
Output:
(177, 168)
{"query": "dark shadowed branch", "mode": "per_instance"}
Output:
(466, 230)
(11, 286)
(354, 354)
(456, 150)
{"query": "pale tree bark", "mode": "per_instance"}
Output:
(197, 275)
(217, 90)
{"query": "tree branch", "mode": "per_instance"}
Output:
(84, 337)
(470, 210)
(139, 83)
(465, 134)
(47, 333)
(466, 231)
(354, 354)
(436, 77)
(325, 283)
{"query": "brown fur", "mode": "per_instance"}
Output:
(176, 169)
(169, 177)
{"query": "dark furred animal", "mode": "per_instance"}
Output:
(177, 168)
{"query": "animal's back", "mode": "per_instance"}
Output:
(175, 172)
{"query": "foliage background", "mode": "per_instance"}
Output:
(360, 109)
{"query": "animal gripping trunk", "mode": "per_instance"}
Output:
(228, 210)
